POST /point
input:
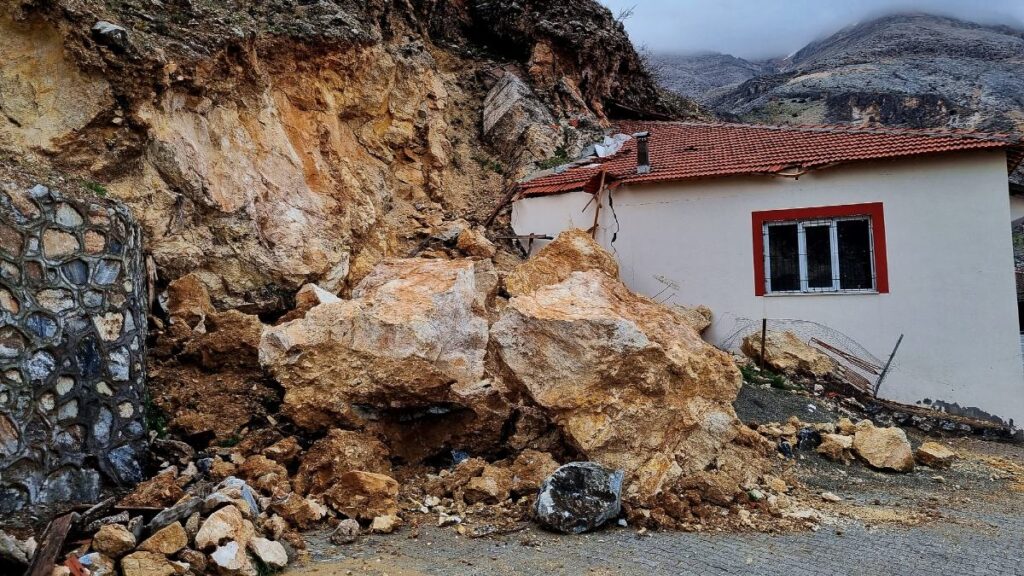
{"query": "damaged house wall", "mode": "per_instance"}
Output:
(72, 344)
(950, 273)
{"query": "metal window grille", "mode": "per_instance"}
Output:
(819, 255)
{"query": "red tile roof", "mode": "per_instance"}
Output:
(685, 150)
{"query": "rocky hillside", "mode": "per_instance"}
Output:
(912, 70)
(704, 77)
(266, 144)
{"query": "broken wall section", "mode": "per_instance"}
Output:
(72, 345)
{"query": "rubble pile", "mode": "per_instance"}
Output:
(432, 395)
(881, 448)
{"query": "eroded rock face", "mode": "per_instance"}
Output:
(72, 347)
(628, 381)
(409, 346)
(785, 352)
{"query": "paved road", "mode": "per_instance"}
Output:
(989, 543)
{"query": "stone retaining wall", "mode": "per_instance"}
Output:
(72, 347)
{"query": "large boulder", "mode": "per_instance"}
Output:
(785, 352)
(572, 251)
(407, 349)
(579, 497)
(883, 448)
(630, 382)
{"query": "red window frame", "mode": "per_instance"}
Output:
(872, 209)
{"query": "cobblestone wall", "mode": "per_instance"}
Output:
(72, 346)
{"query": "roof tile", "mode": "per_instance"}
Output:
(684, 150)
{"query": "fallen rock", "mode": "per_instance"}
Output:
(223, 525)
(935, 455)
(113, 540)
(572, 251)
(491, 487)
(271, 554)
(346, 532)
(363, 495)
(579, 497)
(339, 452)
(303, 513)
(835, 447)
(167, 541)
(308, 297)
(16, 551)
(110, 34)
(180, 511)
(413, 328)
(98, 564)
(195, 559)
(830, 497)
(231, 560)
(473, 243)
(786, 353)
(627, 380)
(160, 491)
(883, 448)
(385, 524)
(529, 470)
(149, 564)
(284, 451)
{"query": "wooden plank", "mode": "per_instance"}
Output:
(52, 543)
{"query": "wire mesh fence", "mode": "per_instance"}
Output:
(862, 367)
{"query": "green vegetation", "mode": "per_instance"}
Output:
(230, 441)
(489, 164)
(753, 375)
(156, 421)
(561, 157)
(95, 187)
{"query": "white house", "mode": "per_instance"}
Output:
(853, 236)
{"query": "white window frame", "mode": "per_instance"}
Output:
(805, 288)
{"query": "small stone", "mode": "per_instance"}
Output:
(448, 520)
(835, 447)
(195, 559)
(98, 564)
(756, 495)
(385, 524)
(300, 512)
(157, 492)
(934, 455)
(167, 541)
(269, 552)
(57, 243)
(346, 532)
(830, 497)
(231, 559)
(113, 540)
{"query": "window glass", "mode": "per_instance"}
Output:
(783, 257)
(854, 238)
(818, 239)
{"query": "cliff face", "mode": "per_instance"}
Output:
(911, 70)
(267, 144)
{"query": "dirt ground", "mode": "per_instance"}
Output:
(968, 519)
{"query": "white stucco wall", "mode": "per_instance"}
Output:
(949, 251)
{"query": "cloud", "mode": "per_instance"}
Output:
(769, 28)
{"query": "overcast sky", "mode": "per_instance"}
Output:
(768, 28)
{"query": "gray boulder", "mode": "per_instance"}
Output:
(579, 497)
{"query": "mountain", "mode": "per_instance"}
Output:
(914, 70)
(704, 76)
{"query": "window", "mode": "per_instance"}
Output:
(826, 249)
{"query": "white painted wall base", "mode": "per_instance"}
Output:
(952, 291)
